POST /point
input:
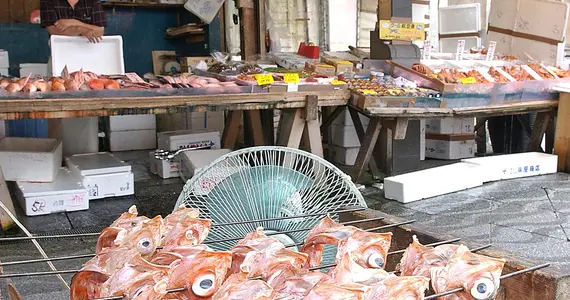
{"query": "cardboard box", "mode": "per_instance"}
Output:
(65, 193)
(182, 139)
(103, 174)
(450, 146)
(450, 126)
(517, 165)
(320, 68)
(432, 182)
(30, 159)
(341, 66)
(163, 168)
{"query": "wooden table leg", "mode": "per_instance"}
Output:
(367, 147)
(291, 128)
(481, 136)
(550, 133)
(231, 129)
(354, 115)
(253, 118)
(538, 131)
(562, 139)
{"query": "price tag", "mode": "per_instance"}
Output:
(491, 50)
(292, 87)
(337, 82)
(291, 78)
(468, 80)
(427, 49)
(460, 49)
(264, 79)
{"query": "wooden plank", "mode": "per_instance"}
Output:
(367, 147)
(313, 133)
(360, 133)
(5, 11)
(562, 136)
(231, 129)
(327, 122)
(311, 112)
(253, 117)
(399, 127)
(540, 126)
(18, 12)
(248, 29)
(291, 128)
(481, 135)
(550, 133)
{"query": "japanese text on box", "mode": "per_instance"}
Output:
(401, 31)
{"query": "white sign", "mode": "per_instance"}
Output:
(460, 49)
(206, 10)
(491, 50)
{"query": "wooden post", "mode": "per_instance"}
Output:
(562, 136)
(6, 199)
(248, 28)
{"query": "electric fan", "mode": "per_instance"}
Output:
(264, 183)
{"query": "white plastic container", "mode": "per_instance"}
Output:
(517, 165)
(4, 72)
(132, 140)
(192, 162)
(345, 136)
(30, 159)
(450, 146)
(344, 118)
(432, 182)
(65, 193)
(182, 139)
(449, 126)
(37, 70)
(456, 19)
(133, 122)
(103, 174)
(75, 52)
(163, 168)
(4, 59)
(344, 155)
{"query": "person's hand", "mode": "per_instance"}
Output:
(64, 24)
(92, 36)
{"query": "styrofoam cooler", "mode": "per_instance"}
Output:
(192, 162)
(345, 155)
(103, 174)
(30, 159)
(37, 71)
(80, 135)
(65, 193)
(182, 139)
(136, 132)
(517, 165)
(164, 168)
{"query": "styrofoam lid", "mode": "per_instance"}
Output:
(65, 181)
(201, 158)
(515, 158)
(185, 133)
(32, 66)
(97, 163)
(19, 144)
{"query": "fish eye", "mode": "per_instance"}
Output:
(376, 261)
(204, 285)
(144, 246)
(483, 289)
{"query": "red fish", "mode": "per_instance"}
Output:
(399, 288)
(368, 249)
(238, 287)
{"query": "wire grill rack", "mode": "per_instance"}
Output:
(35, 239)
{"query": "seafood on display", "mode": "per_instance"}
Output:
(388, 88)
(165, 258)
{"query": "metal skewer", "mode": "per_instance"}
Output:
(25, 238)
(435, 296)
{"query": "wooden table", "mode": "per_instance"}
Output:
(395, 121)
(299, 118)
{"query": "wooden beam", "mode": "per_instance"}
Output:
(562, 139)
(537, 134)
(291, 128)
(399, 127)
(367, 147)
(248, 28)
(327, 122)
(253, 118)
(481, 135)
(361, 134)
(231, 129)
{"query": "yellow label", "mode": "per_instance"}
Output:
(291, 78)
(264, 79)
(368, 92)
(468, 80)
(402, 31)
(337, 82)
(343, 62)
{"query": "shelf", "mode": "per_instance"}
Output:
(185, 31)
(142, 5)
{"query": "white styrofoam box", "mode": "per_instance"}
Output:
(105, 57)
(206, 121)
(345, 156)
(36, 70)
(432, 182)
(517, 165)
(133, 122)
(192, 162)
(422, 139)
(344, 118)
(4, 59)
(446, 149)
(103, 174)
(163, 168)
(65, 193)
(79, 135)
(449, 45)
(450, 126)
(4, 72)
(449, 149)
(181, 139)
(345, 136)
(456, 19)
(132, 140)
(30, 159)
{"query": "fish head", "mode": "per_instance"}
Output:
(180, 214)
(110, 237)
(368, 249)
(86, 285)
(201, 275)
(189, 231)
(147, 238)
